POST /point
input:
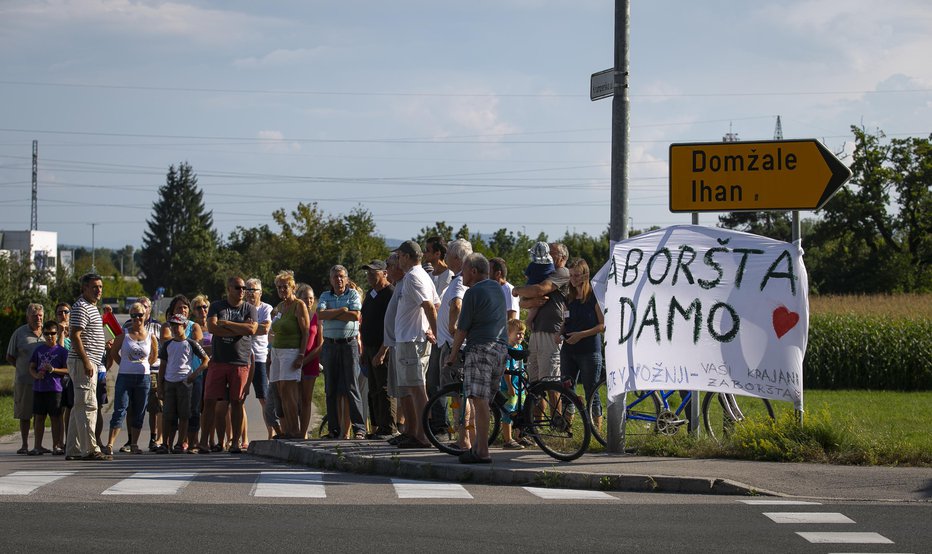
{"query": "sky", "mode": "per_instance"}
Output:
(473, 113)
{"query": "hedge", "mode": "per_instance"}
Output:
(868, 352)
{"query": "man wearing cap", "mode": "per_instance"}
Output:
(372, 330)
(549, 297)
(415, 330)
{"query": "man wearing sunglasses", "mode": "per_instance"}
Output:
(232, 321)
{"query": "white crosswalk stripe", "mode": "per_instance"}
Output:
(152, 483)
(26, 482)
(769, 502)
(568, 494)
(406, 488)
(808, 517)
(844, 538)
(290, 484)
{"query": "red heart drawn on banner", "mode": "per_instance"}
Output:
(784, 320)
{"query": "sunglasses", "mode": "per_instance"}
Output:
(137, 316)
(50, 334)
(63, 312)
(200, 307)
(238, 287)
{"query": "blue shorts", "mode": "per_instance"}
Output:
(260, 380)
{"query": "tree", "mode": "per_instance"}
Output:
(774, 224)
(309, 243)
(179, 249)
(876, 233)
(440, 229)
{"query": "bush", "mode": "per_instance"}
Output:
(848, 351)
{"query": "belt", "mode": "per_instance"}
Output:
(341, 341)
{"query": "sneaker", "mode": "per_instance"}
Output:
(97, 456)
(127, 448)
(58, 452)
(235, 450)
(152, 446)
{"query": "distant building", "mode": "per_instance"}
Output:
(38, 248)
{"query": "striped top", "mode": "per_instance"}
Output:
(84, 316)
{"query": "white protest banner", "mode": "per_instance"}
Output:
(708, 309)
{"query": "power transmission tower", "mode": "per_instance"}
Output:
(730, 136)
(778, 130)
(34, 223)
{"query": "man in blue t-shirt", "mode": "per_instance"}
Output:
(482, 324)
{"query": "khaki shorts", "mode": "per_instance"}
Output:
(543, 355)
(411, 361)
(22, 400)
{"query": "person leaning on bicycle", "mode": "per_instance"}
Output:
(482, 326)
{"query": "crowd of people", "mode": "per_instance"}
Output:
(429, 317)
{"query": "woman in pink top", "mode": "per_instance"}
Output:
(310, 369)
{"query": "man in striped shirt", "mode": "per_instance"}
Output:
(87, 352)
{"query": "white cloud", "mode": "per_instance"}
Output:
(280, 57)
(273, 142)
(137, 17)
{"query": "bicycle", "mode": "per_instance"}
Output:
(543, 412)
(651, 412)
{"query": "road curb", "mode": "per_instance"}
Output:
(391, 463)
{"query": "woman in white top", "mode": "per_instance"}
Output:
(135, 350)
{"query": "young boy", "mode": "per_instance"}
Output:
(175, 382)
(540, 268)
(516, 330)
(48, 364)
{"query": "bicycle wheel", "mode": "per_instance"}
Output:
(442, 431)
(642, 412)
(552, 425)
(721, 412)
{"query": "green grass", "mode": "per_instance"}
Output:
(8, 425)
(839, 427)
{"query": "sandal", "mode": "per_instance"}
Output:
(513, 445)
(107, 450)
(44, 450)
(470, 457)
(23, 450)
(360, 435)
(134, 449)
(34, 452)
(58, 451)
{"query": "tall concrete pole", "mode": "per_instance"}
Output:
(618, 227)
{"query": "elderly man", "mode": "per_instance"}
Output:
(84, 361)
(450, 304)
(372, 332)
(415, 330)
(338, 310)
(482, 325)
(549, 297)
(386, 354)
(22, 344)
(233, 322)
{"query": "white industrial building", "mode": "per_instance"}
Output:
(40, 248)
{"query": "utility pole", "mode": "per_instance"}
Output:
(93, 249)
(34, 222)
(618, 229)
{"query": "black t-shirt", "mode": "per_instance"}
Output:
(372, 327)
(232, 350)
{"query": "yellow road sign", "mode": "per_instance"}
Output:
(753, 176)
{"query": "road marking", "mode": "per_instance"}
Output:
(21, 483)
(568, 494)
(808, 517)
(290, 484)
(405, 488)
(147, 482)
(844, 538)
(779, 503)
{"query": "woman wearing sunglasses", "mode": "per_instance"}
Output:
(134, 351)
(199, 307)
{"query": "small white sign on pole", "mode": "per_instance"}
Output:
(709, 309)
(602, 84)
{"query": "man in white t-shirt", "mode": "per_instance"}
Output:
(435, 253)
(260, 353)
(499, 273)
(415, 330)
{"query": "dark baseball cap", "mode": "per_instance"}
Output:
(377, 265)
(410, 248)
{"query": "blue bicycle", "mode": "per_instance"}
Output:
(653, 412)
